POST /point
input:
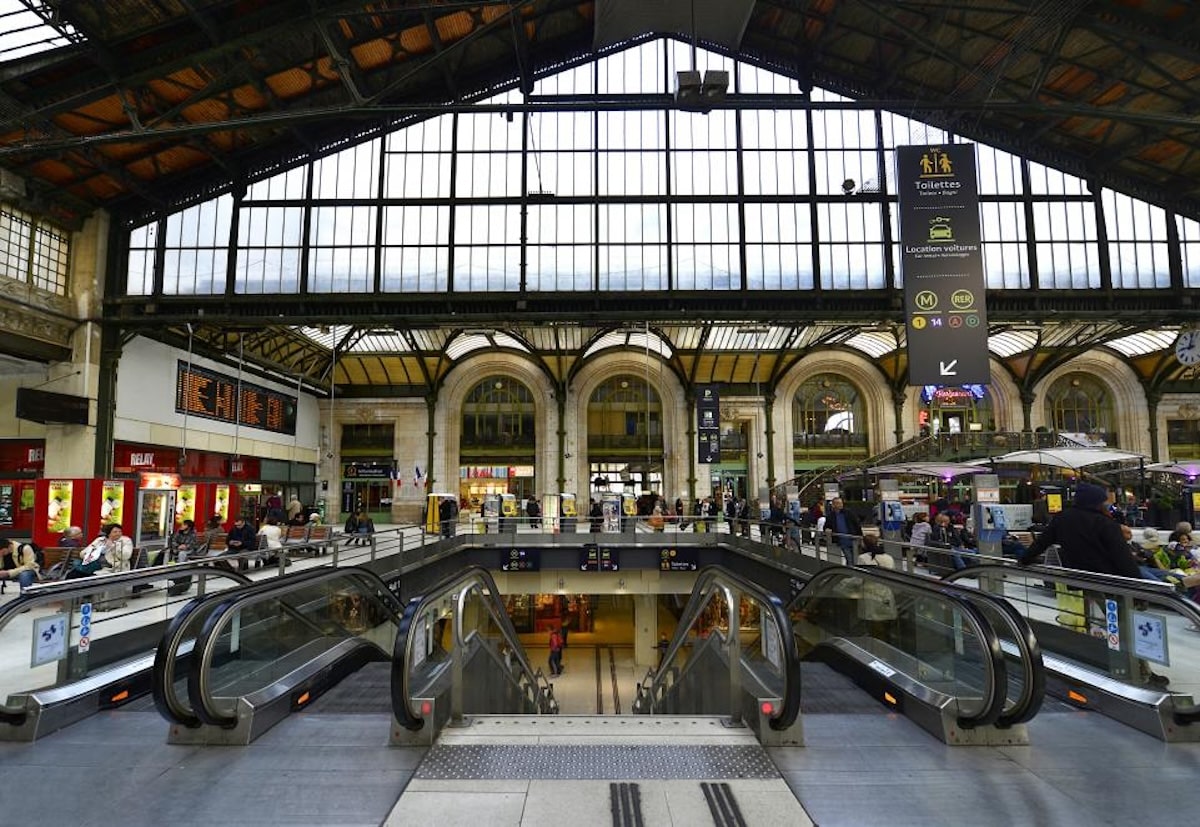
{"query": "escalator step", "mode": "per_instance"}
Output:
(626, 801)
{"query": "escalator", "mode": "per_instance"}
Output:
(266, 650)
(962, 665)
(94, 643)
(457, 654)
(733, 655)
(1120, 646)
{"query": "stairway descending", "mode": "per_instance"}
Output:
(608, 771)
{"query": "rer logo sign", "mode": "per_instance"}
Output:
(942, 262)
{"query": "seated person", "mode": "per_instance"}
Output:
(270, 537)
(71, 538)
(359, 526)
(241, 538)
(20, 562)
(111, 550)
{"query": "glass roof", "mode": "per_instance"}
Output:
(1011, 342)
(27, 27)
(1139, 344)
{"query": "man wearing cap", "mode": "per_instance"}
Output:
(1087, 537)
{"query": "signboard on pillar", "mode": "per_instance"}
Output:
(708, 424)
(942, 261)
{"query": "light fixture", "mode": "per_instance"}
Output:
(697, 93)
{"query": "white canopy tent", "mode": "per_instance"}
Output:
(943, 470)
(1074, 458)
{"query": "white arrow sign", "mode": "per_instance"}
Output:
(949, 369)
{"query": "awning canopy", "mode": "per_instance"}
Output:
(944, 470)
(1065, 457)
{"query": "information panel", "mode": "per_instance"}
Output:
(212, 395)
(708, 424)
(520, 559)
(678, 559)
(595, 558)
(942, 262)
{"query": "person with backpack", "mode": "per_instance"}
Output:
(21, 562)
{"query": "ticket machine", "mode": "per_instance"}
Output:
(509, 512)
(570, 512)
(628, 513)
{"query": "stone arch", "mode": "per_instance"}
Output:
(462, 379)
(1129, 398)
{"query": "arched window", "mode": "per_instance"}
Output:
(1081, 407)
(828, 419)
(625, 436)
(498, 414)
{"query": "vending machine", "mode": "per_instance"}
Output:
(569, 512)
(157, 508)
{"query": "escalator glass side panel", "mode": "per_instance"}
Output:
(252, 643)
(457, 647)
(934, 640)
(732, 647)
(1139, 633)
(79, 629)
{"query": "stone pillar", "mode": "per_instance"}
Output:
(645, 625)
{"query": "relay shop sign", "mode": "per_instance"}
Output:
(942, 262)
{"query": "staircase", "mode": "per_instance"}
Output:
(962, 447)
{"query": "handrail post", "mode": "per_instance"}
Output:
(733, 650)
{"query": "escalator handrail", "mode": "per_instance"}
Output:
(989, 641)
(1033, 688)
(472, 575)
(718, 576)
(167, 654)
(1081, 579)
(199, 693)
(70, 589)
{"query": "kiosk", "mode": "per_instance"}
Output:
(569, 512)
(509, 513)
(434, 524)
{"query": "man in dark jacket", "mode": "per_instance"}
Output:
(1087, 537)
(845, 528)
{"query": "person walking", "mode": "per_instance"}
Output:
(1088, 539)
(556, 650)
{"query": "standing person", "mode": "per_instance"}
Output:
(447, 514)
(556, 647)
(845, 527)
(918, 537)
(1088, 539)
(596, 517)
(534, 512)
(680, 517)
(295, 512)
(663, 645)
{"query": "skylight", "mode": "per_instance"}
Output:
(28, 27)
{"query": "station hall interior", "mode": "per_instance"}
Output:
(375, 256)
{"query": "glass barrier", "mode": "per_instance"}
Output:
(253, 639)
(732, 647)
(82, 629)
(172, 659)
(1140, 633)
(457, 644)
(936, 638)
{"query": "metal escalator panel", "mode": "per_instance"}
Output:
(733, 654)
(458, 654)
(1118, 645)
(93, 641)
(1024, 667)
(921, 648)
(264, 641)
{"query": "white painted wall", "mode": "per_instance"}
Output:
(145, 412)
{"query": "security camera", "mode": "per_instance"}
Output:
(329, 455)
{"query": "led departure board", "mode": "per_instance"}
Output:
(212, 395)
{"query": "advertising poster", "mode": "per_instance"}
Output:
(185, 505)
(221, 506)
(6, 506)
(58, 507)
(112, 502)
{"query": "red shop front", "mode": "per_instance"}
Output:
(21, 463)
